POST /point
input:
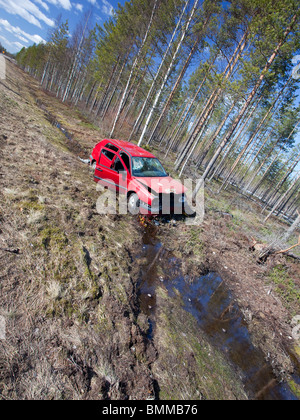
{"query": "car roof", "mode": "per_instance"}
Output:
(131, 148)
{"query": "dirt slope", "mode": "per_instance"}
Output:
(66, 290)
(68, 282)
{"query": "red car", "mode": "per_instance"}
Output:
(131, 170)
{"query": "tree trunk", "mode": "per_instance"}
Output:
(178, 81)
(292, 229)
(158, 95)
(138, 120)
(214, 98)
(252, 137)
(245, 107)
(185, 113)
(75, 63)
(281, 200)
(122, 102)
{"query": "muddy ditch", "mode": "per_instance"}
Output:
(209, 301)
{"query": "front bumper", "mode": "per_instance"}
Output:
(165, 204)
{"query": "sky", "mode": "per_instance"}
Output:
(25, 22)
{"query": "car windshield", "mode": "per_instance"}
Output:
(147, 167)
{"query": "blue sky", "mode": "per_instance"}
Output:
(25, 22)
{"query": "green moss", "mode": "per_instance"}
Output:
(285, 286)
(194, 242)
(31, 202)
(89, 125)
(53, 237)
(295, 388)
(60, 308)
(7, 102)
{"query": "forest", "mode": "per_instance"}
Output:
(212, 85)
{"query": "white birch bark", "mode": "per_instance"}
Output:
(77, 56)
(132, 70)
(282, 198)
(158, 95)
(245, 107)
(137, 122)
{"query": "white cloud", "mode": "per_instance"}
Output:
(43, 4)
(93, 2)
(18, 45)
(21, 38)
(20, 34)
(79, 7)
(27, 10)
(3, 39)
(65, 4)
(107, 8)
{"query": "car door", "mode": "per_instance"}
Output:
(126, 172)
(104, 173)
(120, 175)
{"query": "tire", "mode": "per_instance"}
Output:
(133, 204)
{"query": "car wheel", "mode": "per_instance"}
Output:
(134, 204)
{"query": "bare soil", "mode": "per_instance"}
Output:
(66, 291)
(69, 284)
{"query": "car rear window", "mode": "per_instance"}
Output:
(108, 154)
(112, 147)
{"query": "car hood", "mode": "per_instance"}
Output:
(163, 185)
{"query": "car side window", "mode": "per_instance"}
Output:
(118, 166)
(106, 158)
(126, 160)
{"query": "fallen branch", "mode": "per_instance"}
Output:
(287, 250)
(266, 252)
(11, 251)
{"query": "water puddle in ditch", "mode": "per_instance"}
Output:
(210, 302)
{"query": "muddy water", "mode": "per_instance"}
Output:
(208, 299)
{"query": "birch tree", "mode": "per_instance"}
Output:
(159, 92)
(138, 119)
(135, 63)
(247, 102)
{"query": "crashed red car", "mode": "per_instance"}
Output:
(131, 170)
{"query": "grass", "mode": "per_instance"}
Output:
(89, 125)
(295, 388)
(286, 287)
(53, 237)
